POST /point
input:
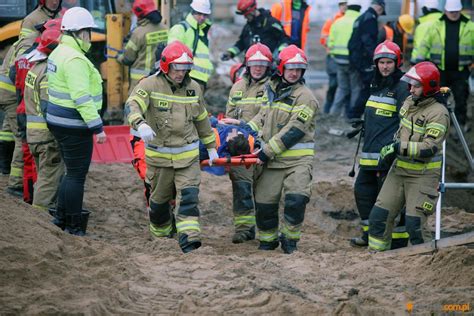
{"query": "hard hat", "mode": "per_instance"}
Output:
(390, 50)
(353, 2)
(426, 74)
(431, 4)
(53, 24)
(201, 6)
(291, 57)
(258, 55)
(76, 19)
(141, 8)
(49, 40)
(237, 71)
(453, 5)
(245, 7)
(407, 23)
(178, 54)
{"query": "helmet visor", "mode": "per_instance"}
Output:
(411, 81)
(181, 66)
(258, 63)
(296, 66)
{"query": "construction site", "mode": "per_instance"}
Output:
(120, 268)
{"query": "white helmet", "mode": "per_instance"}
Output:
(431, 4)
(76, 19)
(453, 5)
(201, 6)
(353, 2)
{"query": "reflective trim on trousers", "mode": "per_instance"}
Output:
(184, 226)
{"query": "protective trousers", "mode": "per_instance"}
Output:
(16, 169)
(163, 183)
(7, 144)
(243, 203)
(295, 181)
(50, 168)
(418, 194)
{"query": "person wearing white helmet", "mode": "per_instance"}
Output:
(193, 33)
(430, 15)
(75, 99)
(450, 45)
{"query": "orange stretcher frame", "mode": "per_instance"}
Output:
(243, 160)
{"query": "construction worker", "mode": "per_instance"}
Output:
(294, 17)
(193, 32)
(450, 45)
(396, 31)
(361, 52)
(245, 98)
(430, 15)
(331, 66)
(139, 53)
(416, 154)
(286, 124)
(169, 114)
(260, 27)
(41, 142)
(381, 121)
(74, 101)
(46, 10)
(348, 81)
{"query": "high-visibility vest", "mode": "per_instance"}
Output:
(340, 35)
(282, 12)
(327, 28)
(420, 32)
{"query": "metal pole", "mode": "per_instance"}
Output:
(461, 138)
(442, 189)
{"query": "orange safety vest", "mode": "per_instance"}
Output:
(282, 12)
(388, 33)
(327, 28)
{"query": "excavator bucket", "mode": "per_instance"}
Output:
(116, 149)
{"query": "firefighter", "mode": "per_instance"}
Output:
(260, 27)
(430, 15)
(381, 121)
(450, 45)
(41, 142)
(244, 103)
(395, 31)
(416, 153)
(139, 53)
(46, 10)
(294, 17)
(168, 112)
(286, 124)
(72, 114)
(193, 32)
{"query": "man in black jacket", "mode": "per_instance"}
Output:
(361, 50)
(261, 27)
(381, 121)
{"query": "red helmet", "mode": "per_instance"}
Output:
(245, 7)
(141, 8)
(426, 74)
(49, 40)
(53, 24)
(178, 54)
(237, 71)
(291, 57)
(258, 55)
(390, 50)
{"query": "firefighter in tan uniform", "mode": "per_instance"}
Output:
(416, 154)
(46, 10)
(168, 111)
(139, 53)
(244, 103)
(41, 142)
(286, 125)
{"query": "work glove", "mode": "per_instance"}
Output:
(388, 154)
(146, 132)
(227, 56)
(101, 137)
(212, 155)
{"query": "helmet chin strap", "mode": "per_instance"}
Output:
(74, 36)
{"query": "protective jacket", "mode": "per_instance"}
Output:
(286, 124)
(195, 37)
(294, 22)
(420, 33)
(326, 29)
(363, 41)
(433, 45)
(424, 126)
(264, 28)
(178, 116)
(7, 87)
(139, 53)
(74, 89)
(381, 120)
(339, 37)
(36, 17)
(245, 98)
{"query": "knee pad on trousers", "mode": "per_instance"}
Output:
(295, 205)
(188, 206)
(378, 221)
(414, 229)
(266, 216)
(159, 213)
(365, 199)
(243, 199)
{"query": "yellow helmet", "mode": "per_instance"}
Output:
(407, 23)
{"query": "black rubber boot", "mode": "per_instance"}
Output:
(59, 218)
(188, 246)
(77, 224)
(268, 245)
(6, 154)
(243, 236)
(288, 245)
(15, 191)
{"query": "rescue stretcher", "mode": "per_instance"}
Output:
(242, 160)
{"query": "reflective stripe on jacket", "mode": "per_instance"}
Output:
(326, 29)
(339, 37)
(421, 31)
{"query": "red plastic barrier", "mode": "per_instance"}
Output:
(116, 149)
